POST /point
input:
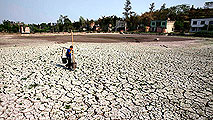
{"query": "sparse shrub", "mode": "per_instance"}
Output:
(204, 34)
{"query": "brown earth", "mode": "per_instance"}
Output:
(104, 38)
(23, 40)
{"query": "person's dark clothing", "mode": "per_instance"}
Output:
(69, 52)
(69, 62)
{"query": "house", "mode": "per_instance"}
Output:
(147, 28)
(25, 30)
(198, 24)
(162, 26)
(110, 28)
(92, 25)
(120, 25)
(97, 27)
(208, 5)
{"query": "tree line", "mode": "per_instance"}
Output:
(182, 14)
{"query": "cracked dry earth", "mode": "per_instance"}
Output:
(112, 81)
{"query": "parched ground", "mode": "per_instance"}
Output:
(126, 80)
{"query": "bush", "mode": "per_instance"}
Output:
(204, 34)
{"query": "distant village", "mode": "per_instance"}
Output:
(176, 19)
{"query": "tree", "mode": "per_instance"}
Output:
(192, 8)
(152, 6)
(105, 21)
(60, 24)
(179, 25)
(146, 18)
(64, 24)
(127, 13)
(15, 28)
(67, 25)
(1, 28)
(82, 22)
(76, 26)
(134, 22)
(182, 8)
(7, 25)
(163, 7)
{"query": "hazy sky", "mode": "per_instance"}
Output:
(38, 11)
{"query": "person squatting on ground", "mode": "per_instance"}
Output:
(69, 56)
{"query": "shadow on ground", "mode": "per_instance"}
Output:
(62, 66)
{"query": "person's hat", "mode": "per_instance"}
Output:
(71, 46)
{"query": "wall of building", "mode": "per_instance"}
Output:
(162, 26)
(170, 26)
(25, 30)
(199, 24)
(158, 23)
(207, 20)
(120, 25)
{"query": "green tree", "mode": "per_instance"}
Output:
(67, 25)
(1, 28)
(179, 25)
(64, 24)
(134, 22)
(76, 26)
(152, 7)
(7, 25)
(146, 18)
(15, 28)
(105, 21)
(82, 22)
(163, 7)
(127, 9)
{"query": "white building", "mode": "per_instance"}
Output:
(208, 5)
(198, 24)
(25, 30)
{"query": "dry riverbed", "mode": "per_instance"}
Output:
(112, 81)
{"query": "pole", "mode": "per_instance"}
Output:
(72, 37)
(72, 50)
(208, 27)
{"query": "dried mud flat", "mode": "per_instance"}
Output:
(125, 80)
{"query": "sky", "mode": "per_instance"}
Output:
(38, 11)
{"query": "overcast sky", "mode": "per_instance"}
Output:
(38, 11)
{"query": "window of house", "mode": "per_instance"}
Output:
(163, 23)
(202, 22)
(158, 23)
(193, 29)
(153, 23)
(194, 22)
